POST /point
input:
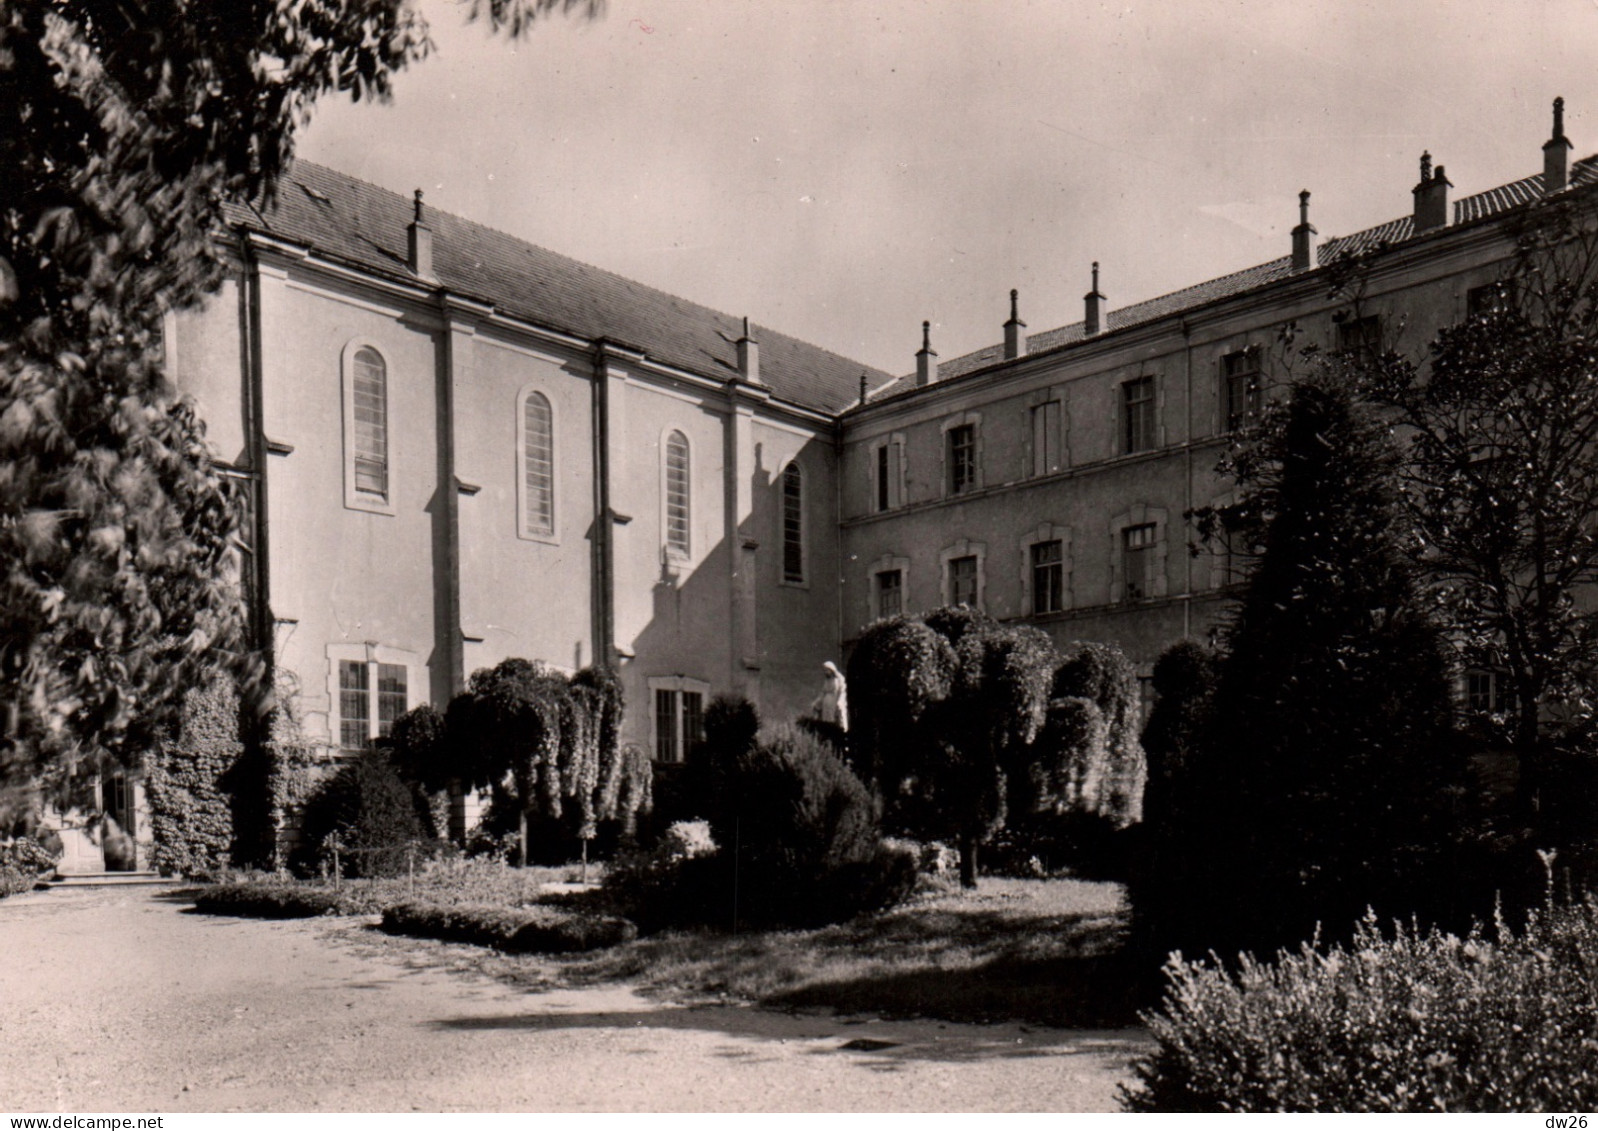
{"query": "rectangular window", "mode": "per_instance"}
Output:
(1489, 299)
(887, 475)
(1487, 692)
(1047, 440)
(678, 499)
(963, 581)
(666, 745)
(890, 593)
(1137, 414)
(1240, 387)
(391, 696)
(1048, 577)
(371, 422)
(354, 705)
(1360, 339)
(1137, 561)
(962, 445)
(693, 721)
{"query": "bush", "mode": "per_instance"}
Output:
(519, 930)
(370, 812)
(22, 862)
(272, 899)
(186, 782)
(1410, 1022)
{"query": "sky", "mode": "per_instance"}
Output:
(841, 170)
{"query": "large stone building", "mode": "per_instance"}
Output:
(463, 447)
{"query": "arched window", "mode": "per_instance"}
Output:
(677, 496)
(793, 524)
(369, 432)
(537, 426)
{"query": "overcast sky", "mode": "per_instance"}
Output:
(843, 169)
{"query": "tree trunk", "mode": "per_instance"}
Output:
(968, 861)
(522, 830)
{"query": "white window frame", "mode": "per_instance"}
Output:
(1139, 515)
(888, 563)
(525, 529)
(896, 484)
(372, 655)
(974, 419)
(669, 552)
(1046, 532)
(1038, 400)
(675, 684)
(355, 499)
(803, 580)
(965, 548)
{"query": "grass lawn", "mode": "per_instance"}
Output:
(1041, 951)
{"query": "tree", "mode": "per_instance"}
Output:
(957, 722)
(1501, 478)
(123, 128)
(1324, 781)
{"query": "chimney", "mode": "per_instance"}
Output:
(1431, 197)
(1014, 331)
(1556, 154)
(421, 243)
(926, 359)
(1093, 321)
(748, 357)
(1304, 256)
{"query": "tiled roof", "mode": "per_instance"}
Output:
(362, 224)
(1484, 204)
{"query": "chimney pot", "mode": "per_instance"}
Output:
(1093, 320)
(926, 358)
(419, 253)
(1014, 330)
(1431, 197)
(1556, 154)
(748, 356)
(1304, 253)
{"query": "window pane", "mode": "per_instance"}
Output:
(1240, 380)
(693, 721)
(677, 499)
(962, 458)
(883, 494)
(890, 593)
(538, 465)
(793, 535)
(1360, 338)
(1048, 575)
(354, 705)
(369, 434)
(963, 581)
(666, 749)
(1047, 443)
(391, 697)
(1138, 561)
(1137, 400)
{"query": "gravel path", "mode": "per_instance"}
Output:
(125, 1001)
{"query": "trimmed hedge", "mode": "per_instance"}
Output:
(1411, 1022)
(540, 929)
(186, 781)
(274, 900)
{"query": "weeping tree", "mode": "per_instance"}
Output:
(957, 721)
(554, 743)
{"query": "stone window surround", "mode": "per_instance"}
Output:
(370, 653)
(523, 530)
(803, 580)
(674, 556)
(365, 500)
(897, 494)
(883, 565)
(964, 548)
(1041, 397)
(1159, 413)
(677, 684)
(978, 480)
(1139, 515)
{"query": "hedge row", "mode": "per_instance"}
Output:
(520, 930)
(274, 900)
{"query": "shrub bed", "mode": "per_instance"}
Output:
(519, 930)
(278, 900)
(1412, 1022)
(22, 863)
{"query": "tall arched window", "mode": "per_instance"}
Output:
(537, 486)
(369, 434)
(793, 524)
(677, 495)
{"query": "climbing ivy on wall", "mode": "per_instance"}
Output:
(187, 779)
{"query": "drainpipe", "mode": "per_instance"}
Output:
(260, 611)
(603, 604)
(1187, 366)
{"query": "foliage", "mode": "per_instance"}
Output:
(1501, 478)
(1411, 1021)
(556, 742)
(1327, 777)
(22, 862)
(187, 783)
(960, 721)
(273, 899)
(539, 929)
(368, 812)
(123, 129)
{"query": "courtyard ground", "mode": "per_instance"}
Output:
(123, 1000)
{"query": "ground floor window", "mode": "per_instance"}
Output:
(371, 696)
(679, 717)
(1138, 560)
(890, 593)
(1487, 692)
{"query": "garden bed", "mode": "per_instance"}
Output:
(516, 930)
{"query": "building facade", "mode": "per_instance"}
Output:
(462, 448)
